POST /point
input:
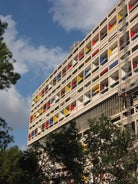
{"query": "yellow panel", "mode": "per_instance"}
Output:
(96, 91)
(40, 111)
(79, 78)
(86, 49)
(55, 119)
(67, 88)
(119, 17)
(96, 87)
(38, 97)
(35, 99)
(110, 52)
(66, 111)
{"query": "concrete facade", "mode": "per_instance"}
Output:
(99, 76)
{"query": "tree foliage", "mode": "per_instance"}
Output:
(19, 167)
(10, 171)
(64, 147)
(113, 155)
(7, 74)
(5, 137)
(31, 169)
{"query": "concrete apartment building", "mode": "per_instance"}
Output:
(99, 76)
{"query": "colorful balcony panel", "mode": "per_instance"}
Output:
(47, 124)
(113, 64)
(31, 119)
(103, 60)
(48, 104)
(51, 121)
(55, 119)
(58, 77)
(40, 111)
(43, 126)
(67, 88)
(95, 53)
(29, 136)
(87, 49)
(80, 55)
(44, 108)
(69, 66)
(134, 35)
(74, 84)
(66, 111)
(104, 71)
(79, 78)
(33, 133)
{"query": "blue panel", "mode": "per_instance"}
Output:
(58, 77)
(33, 133)
(85, 72)
(92, 92)
(113, 64)
(52, 100)
(102, 60)
(51, 121)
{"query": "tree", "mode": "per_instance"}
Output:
(19, 167)
(7, 74)
(10, 171)
(5, 137)
(64, 147)
(7, 78)
(113, 154)
(31, 169)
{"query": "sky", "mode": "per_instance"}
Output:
(40, 34)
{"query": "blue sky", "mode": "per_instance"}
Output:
(40, 34)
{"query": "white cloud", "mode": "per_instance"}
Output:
(80, 14)
(27, 55)
(14, 108)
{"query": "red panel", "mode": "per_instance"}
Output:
(72, 107)
(109, 26)
(94, 53)
(101, 87)
(44, 108)
(42, 92)
(43, 126)
(132, 34)
(29, 136)
(47, 124)
(68, 67)
(80, 55)
(31, 119)
(130, 6)
(35, 131)
(104, 71)
(93, 42)
(134, 64)
(48, 104)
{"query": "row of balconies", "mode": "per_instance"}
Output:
(91, 45)
(78, 104)
(96, 65)
(99, 86)
(87, 72)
